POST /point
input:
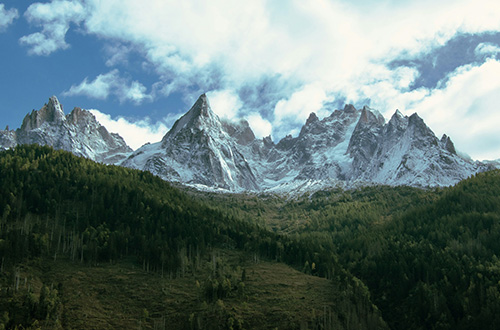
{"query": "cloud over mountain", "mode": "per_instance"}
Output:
(111, 83)
(277, 61)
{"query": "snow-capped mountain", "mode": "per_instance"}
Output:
(200, 149)
(405, 151)
(350, 147)
(78, 132)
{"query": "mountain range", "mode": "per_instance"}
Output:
(350, 147)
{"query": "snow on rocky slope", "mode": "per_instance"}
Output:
(78, 132)
(348, 148)
(199, 149)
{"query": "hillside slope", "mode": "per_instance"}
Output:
(69, 223)
(428, 257)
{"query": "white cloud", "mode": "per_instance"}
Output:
(118, 54)
(100, 88)
(487, 49)
(386, 89)
(297, 108)
(315, 49)
(7, 16)
(135, 133)
(409, 27)
(136, 92)
(55, 18)
(327, 42)
(41, 44)
(320, 41)
(225, 103)
(108, 84)
(260, 126)
(467, 109)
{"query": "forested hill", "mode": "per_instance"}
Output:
(437, 265)
(426, 259)
(430, 258)
(56, 207)
(68, 205)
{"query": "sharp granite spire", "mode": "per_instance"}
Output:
(51, 112)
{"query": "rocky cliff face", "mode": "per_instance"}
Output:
(405, 151)
(78, 132)
(200, 149)
(349, 147)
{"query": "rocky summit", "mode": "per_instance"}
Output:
(200, 149)
(78, 132)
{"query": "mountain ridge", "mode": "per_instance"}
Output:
(348, 148)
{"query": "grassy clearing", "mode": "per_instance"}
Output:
(124, 296)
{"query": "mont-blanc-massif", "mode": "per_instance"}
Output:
(357, 222)
(349, 148)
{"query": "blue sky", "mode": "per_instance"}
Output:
(138, 65)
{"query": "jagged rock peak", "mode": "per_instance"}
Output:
(349, 108)
(51, 112)
(79, 115)
(200, 117)
(312, 118)
(268, 141)
(397, 114)
(286, 142)
(415, 118)
(398, 119)
(312, 125)
(240, 131)
(79, 132)
(448, 144)
(54, 102)
(349, 146)
(201, 106)
(369, 116)
(75, 114)
(418, 124)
